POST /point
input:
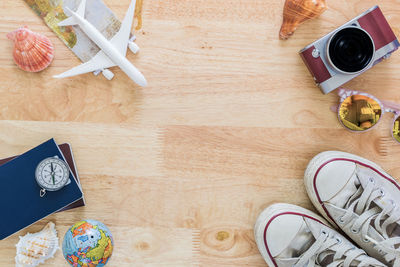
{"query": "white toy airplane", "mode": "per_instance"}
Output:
(112, 51)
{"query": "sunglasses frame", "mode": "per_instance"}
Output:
(386, 107)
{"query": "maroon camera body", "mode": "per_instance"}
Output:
(350, 50)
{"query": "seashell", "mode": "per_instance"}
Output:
(296, 12)
(33, 52)
(33, 249)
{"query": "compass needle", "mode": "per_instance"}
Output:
(52, 174)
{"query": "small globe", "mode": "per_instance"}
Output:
(88, 243)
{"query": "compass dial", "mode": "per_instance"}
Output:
(52, 174)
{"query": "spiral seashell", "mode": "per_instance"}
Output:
(33, 249)
(33, 52)
(296, 12)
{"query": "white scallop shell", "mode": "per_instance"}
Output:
(33, 249)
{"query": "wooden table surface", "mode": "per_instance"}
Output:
(180, 170)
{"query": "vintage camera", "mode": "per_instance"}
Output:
(350, 50)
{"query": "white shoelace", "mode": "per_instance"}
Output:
(360, 203)
(327, 245)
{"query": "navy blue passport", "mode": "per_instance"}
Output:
(20, 201)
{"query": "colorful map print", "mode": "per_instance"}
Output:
(88, 243)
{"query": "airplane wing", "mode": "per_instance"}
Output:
(98, 62)
(121, 38)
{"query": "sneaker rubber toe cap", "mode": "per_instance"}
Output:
(331, 177)
(281, 232)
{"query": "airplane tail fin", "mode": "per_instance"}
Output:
(71, 20)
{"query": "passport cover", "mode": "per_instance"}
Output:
(20, 202)
(67, 152)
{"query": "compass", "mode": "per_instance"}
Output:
(51, 174)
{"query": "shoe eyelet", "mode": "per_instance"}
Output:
(339, 240)
(365, 240)
(341, 221)
(372, 180)
(324, 232)
(392, 202)
(354, 231)
(382, 192)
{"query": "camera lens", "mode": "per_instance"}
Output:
(351, 49)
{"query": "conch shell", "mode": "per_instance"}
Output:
(296, 12)
(33, 249)
(33, 52)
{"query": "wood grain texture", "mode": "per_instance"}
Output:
(180, 170)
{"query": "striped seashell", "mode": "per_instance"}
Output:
(33, 249)
(33, 52)
(295, 12)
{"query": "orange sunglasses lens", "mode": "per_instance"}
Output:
(359, 112)
(396, 129)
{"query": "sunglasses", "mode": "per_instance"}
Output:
(359, 112)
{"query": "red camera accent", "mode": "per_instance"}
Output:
(377, 26)
(317, 68)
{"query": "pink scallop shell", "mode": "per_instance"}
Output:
(33, 52)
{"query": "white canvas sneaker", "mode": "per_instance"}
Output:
(290, 236)
(360, 198)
